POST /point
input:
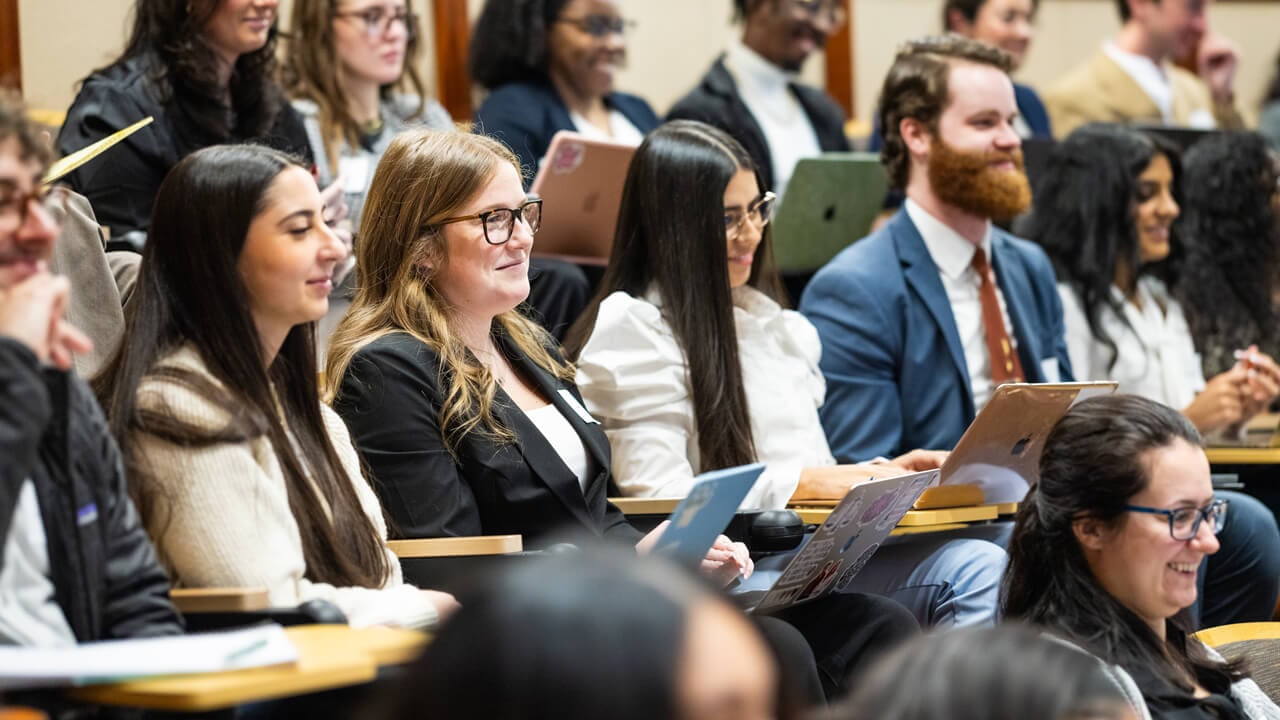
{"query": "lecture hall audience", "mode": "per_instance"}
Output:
(242, 476)
(691, 365)
(465, 411)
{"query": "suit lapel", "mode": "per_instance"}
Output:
(1016, 288)
(538, 453)
(922, 277)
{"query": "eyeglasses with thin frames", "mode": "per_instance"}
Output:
(378, 19)
(499, 223)
(833, 10)
(1184, 523)
(600, 26)
(759, 212)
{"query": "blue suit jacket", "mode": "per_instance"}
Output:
(895, 368)
(525, 116)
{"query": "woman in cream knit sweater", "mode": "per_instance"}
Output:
(242, 476)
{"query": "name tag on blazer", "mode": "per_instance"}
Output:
(577, 407)
(1049, 368)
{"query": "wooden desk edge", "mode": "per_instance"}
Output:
(646, 506)
(1242, 456)
(457, 546)
(219, 599)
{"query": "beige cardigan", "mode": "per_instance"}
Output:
(225, 521)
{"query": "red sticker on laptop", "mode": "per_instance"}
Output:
(568, 157)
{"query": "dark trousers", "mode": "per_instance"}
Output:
(822, 645)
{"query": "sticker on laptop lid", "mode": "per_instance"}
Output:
(569, 155)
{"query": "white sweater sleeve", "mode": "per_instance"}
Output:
(632, 375)
(221, 518)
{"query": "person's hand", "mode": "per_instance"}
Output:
(31, 313)
(728, 560)
(648, 541)
(1216, 64)
(445, 604)
(1221, 403)
(919, 460)
(348, 262)
(1262, 379)
(335, 202)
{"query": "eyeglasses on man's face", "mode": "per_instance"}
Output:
(759, 213)
(599, 26)
(378, 19)
(16, 206)
(1184, 523)
(499, 223)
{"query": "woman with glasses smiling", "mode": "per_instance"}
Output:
(549, 65)
(692, 364)
(1105, 553)
(351, 70)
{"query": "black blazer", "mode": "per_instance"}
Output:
(390, 398)
(715, 101)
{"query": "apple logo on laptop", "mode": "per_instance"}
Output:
(1020, 446)
(589, 202)
(829, 214)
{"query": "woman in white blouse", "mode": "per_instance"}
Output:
(1105, 214)
(690, 363)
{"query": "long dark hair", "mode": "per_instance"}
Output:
(671, 237)
(186, 74)
(509, 41)
(1273, 86)
(190, 292)
(1019, 673)
(597, 634)
(1082, 214)
(1092, 464)
(1232, 253)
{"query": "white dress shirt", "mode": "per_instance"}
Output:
(1154, 81)
(1155, 355)
(764, 89)
(621, 130)
(29, 612)
(632, 374)
(953, 255)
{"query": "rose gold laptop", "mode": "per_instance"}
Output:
(1000, 451)
(580, 182)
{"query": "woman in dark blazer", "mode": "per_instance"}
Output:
(549, 65)
(463, 409)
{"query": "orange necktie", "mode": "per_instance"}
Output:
(1005, 366)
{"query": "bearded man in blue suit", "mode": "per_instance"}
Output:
(921, 320)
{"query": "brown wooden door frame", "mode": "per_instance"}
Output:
(841, 82)
(452, 36)
(10, 46)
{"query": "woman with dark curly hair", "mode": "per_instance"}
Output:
(205, 70)
(1232, 271)
(549, 65)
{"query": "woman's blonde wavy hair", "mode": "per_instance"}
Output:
(424, 177)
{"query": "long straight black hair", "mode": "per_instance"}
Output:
(671, 237)
(190, 292)
(1094, 461)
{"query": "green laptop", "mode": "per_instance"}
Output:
(830, 202)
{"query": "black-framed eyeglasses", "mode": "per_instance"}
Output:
(1184, 523)
(499, 222)
(15, 207)
(833, 10)
(600, 26)
(759, 212)
(377, 20)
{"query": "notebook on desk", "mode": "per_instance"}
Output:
(1000, 451)
(1262, 431)
(831, 200)
(580, 182)
(841, 546)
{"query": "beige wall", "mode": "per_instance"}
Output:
(674, 41)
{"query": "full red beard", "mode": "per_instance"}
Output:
(970, 181)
